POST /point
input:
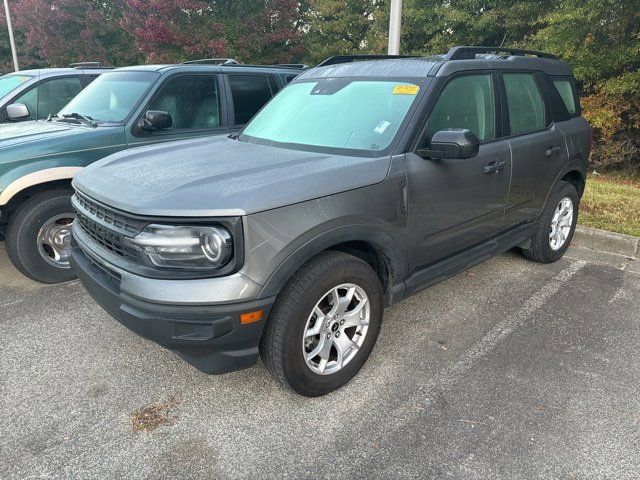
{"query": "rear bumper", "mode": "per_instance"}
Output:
(209, 337)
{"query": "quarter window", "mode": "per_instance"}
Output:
(566, 89)
(191, 100)
(526, 107)
(250, 93)
(466, 102)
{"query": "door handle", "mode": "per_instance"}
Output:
(552, 151)
(494, 167)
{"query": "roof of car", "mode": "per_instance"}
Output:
(456, 60)
(50, 72)
(213, 67)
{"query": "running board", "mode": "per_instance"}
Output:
(451, 266)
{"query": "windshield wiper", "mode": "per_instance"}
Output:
(82, 118)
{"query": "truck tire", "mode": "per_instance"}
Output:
(555, 226)
(324, 324)
(38, 237)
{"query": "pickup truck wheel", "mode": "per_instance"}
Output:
(38, 237)
(556, 225)
(324, 324)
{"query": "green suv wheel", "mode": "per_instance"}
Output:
(324, 324)
(39, 236)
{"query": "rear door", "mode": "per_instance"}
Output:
(537, 144)
(455, 204)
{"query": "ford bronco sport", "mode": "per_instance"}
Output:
(124, 108)
(357, 185)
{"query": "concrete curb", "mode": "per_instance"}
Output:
(604, 241)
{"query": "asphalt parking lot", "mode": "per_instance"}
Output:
(510, 370)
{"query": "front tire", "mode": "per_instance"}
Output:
(324, 324)
(556, 225)
(38, 237)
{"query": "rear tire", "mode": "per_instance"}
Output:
(38, 237)
(304, 307)
(555, 228)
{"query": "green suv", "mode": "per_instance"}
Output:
(125, 108)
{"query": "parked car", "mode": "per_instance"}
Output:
(124, 108)
(34, 94)
(358, 185)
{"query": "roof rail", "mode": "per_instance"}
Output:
(85, 65)
(215, 61)
(300, 66)
(354, 58)
(469, 53)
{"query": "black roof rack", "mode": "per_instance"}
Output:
(354, 58)
(86, 65)
(469, 53)
(300, 66)
(215, 61)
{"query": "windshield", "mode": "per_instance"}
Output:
(11, 82)
(111, 97)
(336, 112)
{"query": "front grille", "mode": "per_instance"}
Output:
(105, 226)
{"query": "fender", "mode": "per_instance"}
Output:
(575, 164)
(391, 251)
(36, 178)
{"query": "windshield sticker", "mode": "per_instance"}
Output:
(382, 126)
(406, 89)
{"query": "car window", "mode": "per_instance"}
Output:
(250, 93)
(334, 113)
(49, 96)
(466, 102)
(9, 83)
(191, 100)
(526, 107)
(112, 96)
(566, 89)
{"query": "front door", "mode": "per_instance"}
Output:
(455, 204)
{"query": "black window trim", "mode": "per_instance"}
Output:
(224, 120)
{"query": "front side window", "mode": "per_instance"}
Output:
(250, 93)
(9, 83)
(466, 102)
(526, 107)
(112, 96)
(334, 113)
(191, 100)
(55, 94)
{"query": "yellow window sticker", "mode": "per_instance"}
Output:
(406, 89)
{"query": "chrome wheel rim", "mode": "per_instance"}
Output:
(54, 240)
(336, 329)
(561, 224)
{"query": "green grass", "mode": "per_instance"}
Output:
(611, 203)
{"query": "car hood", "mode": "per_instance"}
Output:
(221, 177)
(12, 134)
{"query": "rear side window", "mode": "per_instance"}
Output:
(466, 102)
(567, 90)
(526, 106)
(250, 93)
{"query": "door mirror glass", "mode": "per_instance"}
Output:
(17, 111)
(452, 143)
(156, 120)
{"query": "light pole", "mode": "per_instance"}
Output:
(395, 20)
(11, 39)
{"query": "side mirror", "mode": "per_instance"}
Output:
(16, 111)
(156, 120)
(452, 143)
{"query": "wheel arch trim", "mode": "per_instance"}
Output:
(36, 178)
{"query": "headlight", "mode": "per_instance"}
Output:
(184, 247)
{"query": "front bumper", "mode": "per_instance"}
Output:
(209, 337)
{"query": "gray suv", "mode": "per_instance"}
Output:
(358, 185)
